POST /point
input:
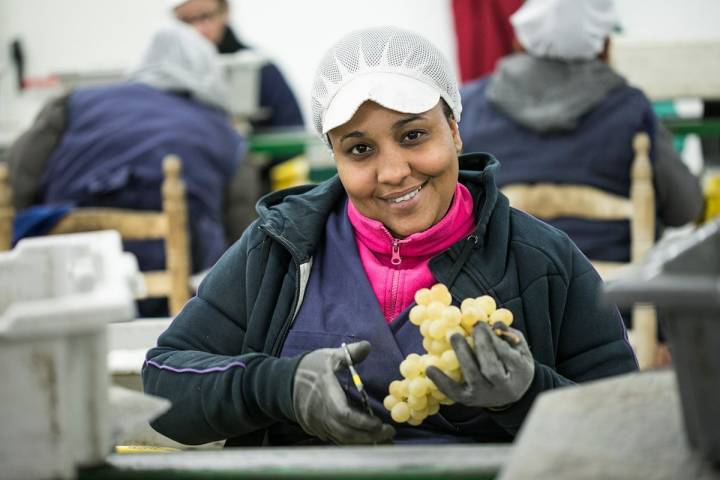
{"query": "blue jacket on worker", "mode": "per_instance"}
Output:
(573, 123)
(111, 156)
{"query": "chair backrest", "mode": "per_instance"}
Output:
(550, 201)
(7, 212)
(170, 224)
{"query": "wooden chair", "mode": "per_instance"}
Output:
(170, 224)
(550, 201)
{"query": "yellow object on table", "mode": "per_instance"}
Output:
(712, 197)
(290, 173)
(144, 449)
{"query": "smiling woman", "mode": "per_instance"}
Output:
(340, 263)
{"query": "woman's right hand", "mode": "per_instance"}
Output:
(321, 406)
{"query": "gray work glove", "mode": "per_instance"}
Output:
(321, 406)
(496, 373)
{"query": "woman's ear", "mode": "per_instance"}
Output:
(456, 135)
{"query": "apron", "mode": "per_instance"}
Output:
(340, 306)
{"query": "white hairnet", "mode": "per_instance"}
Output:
(179, 58)
(398, 69)
(173, 4)
(565, 29)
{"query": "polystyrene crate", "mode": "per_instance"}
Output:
(57, 295)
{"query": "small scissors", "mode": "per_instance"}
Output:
(357, 381)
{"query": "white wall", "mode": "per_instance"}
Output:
(86, 35)
(667, 20)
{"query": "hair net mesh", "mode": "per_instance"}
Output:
(383, 49)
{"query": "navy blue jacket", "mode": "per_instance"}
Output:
(111, 153)
(597, 153)
(219, 361)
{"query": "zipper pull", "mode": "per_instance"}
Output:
(395, 260)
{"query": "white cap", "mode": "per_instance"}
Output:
(565, 29)
(173, 4)
(179, 58)
(398, 69)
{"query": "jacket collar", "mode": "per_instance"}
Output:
(297, 216)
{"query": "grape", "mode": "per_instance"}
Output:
(452, 315)
(420, 414)
(452, 331)
(470, 317)
(438, 346)
(418, 387)
(411, 367)
(435, 310)
(390, 401)
(430, 359)
(415, 421)
(423, 296)
(438, 395)
(486, 303)
(449, 361)
(399, 389)
(501, 315)
(418, 314)
(417, 403)
(400, 412)
(441, 294)
(467, 304)
(437, 329)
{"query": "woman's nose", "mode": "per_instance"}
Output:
(393, 167)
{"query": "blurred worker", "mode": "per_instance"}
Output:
(104, 147)
(210, 18)
(255, 357)
(556, 112)
(278, 107)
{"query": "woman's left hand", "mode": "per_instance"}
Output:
(496, 373)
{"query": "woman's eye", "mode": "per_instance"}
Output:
(359, 149)
(414, 135)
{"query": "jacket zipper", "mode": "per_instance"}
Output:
(395, 260)
(286, 326)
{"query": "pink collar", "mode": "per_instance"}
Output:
(456, 224)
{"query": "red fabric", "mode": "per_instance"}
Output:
(395, 285)
(484, 34)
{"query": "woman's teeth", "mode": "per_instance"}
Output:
(407, 196)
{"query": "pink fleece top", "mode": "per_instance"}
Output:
(398, 268)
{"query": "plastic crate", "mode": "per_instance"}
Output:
(57, 295)
(682, 280)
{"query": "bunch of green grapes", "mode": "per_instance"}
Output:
(416, 397)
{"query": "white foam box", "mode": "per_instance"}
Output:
(57, 295)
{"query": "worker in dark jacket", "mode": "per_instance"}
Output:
(104, 147)
(255, 357)
(210, 18)
(557, 112)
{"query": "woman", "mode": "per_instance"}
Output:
(253, 358)
(210, 18)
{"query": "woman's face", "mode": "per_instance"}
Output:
(207, 17)
(398, 168)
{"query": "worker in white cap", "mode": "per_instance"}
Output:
(104, 147)
(279, 108)
(557, 112)
(259, 356)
